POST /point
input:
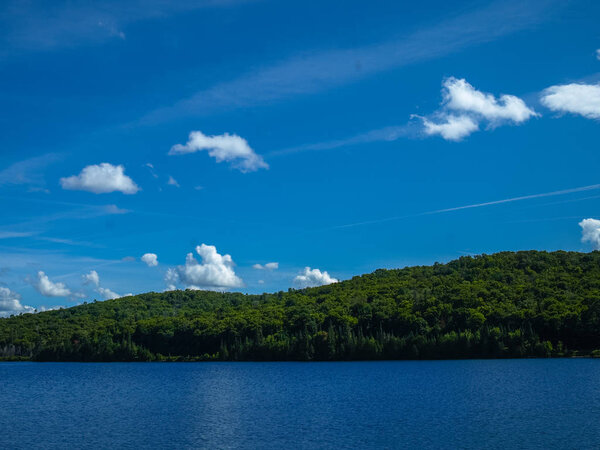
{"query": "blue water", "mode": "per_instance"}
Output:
(426, 404)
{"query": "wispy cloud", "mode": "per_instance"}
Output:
(475, 205)
(69, 242)
(267, 266)
(37, 235)
(29, 171)
(37, 227)
(325, 69)
(463, 109)
(388, 134)
(43, 26)
(15, 234)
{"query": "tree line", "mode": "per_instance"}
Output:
(510, 304)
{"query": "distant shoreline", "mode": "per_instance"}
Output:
(507, 305)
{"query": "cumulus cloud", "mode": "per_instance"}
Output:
(598, 54)
(464, 108)
(215, 272)
(171, 279)
(94, 279)
(151, 259)
(313, 277)
(590, 232)
(49, 289)
(453, 128)
(107, 294)
(225, 147)
(267, 266)
(101, 179)
(574, 98)
(462, 96)
(43, 308)
(10, 303)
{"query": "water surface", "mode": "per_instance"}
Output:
(427, 404)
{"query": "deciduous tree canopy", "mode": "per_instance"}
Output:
(502, 305)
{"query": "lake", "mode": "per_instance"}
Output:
(535, 403)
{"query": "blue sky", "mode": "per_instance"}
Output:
(341, 136)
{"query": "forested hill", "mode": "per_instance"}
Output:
(502, 305)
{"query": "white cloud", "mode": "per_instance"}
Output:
(151, 259)
(94, 279)
(462, 96)
(43, 308)
(454, 128)
(590, 232)
(10, 303)
(225, 147)
(214, 273)
(172, 182)
(107, 294)
(49, 289)
(575, 98)
(464, 107)
(267, 266)
(598, 54)
(313, 277)
(101, 179)
(171, 279)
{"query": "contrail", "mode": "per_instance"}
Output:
(516, 199)
(476, 205)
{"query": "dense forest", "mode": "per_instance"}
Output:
(524, 304)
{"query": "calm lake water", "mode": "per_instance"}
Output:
(426, 404)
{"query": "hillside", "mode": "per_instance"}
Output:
(490, 306)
